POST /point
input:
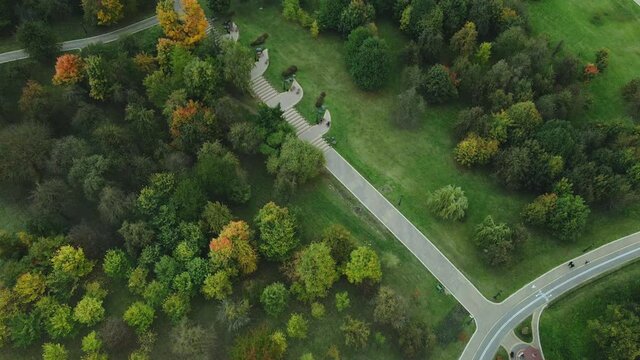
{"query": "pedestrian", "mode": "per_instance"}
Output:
(586, 262)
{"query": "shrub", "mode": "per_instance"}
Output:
(320, 99)
(602, 59)
(289, 71)
(260, 39)
(448, 202)
(371, 65)
(356, 333)
(495, 241)
(139, 316)
(437, 86)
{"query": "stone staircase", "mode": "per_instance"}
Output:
(321, 144)
(296, 120)
(263, 89)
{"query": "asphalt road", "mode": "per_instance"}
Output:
(514, 315)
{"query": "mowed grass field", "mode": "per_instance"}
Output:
(563, 327)
(406, 165)
(585, 26)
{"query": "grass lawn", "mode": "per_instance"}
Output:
(406, 165)
(71, 28)
(526, 336)
(587, 26)
(565, 321)
(501, 354)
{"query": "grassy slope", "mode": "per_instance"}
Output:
(565, 321)
(574, 21)
(408, 164)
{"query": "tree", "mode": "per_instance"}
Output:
(138, 280)
(316, 272)
(290, 9)
(24, 329)
(136, 236)
(88, 173)
(342, 301)
(99, 83)
(330, 13)
(59, 323)
(355, 332)
(89, 311)
(237, 61)
(245, 137)
(219, 7)
(631, 95)
(192, 341)
(297, 326)
(363, 266)
(114, 205)
(139, 316)
(217, 286)
(69, 70)
(38, 40)
(277, 231)
(389, 308)
(233, 243)
(340, 242)
(259, 343)
(176, 306)
(115, 334)
(214, 217)
(437, 87)
(111, 11)
(116, 264)
(235, 314)
(371, 65)
(475, 150)
(220, 173)
(155, 292)
(524, 119)
(448, 202)
(274, 298)
(187, 29)
(51, 351)
(464, 41)
(23, 152)
(182, 283)
(617, 331)
(563, 213)
(71, 262)
(317, 310)
(495, 241)
(201, 78)
(29, 287)
(526, 166)
(415, 338)
(297, 163)
(357, 13)
(409, 110)
(91, 344)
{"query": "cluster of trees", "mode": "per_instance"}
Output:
(523, 94)
(616, 331)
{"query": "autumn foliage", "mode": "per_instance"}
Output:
(189, 28)
(233, 246)
(111, 11)
(69, 69)
(183, 115)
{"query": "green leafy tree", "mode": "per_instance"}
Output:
(59, 323)
(297, 326)
(340, 242)
(182, 283)
(277, 231)
(437, 87)
(139, 316)
(138, 280)
(91, 344)
(51, 351)
(201, 78)
(214, 217)
(155, 292)
(219, 7)
(342, 301)
(29, 287)
(330, 13)
(71, 262)
(357, 13)
(317, 310)
(24, 329)
(237, 61)
(89, 311)
(316, 272)
(495, 241)
(176, 306)
(217, 286)
(363, 266)
(617, 332)
(235, 314)
(371, 65)
(274, 298)
(297, 163)
(116, 264)
(38, 40)
(88, 174)
(97, 73)
(356, 333)
(448, 202)
(463, 42)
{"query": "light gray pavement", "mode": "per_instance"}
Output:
(287, 99)
(535, 326)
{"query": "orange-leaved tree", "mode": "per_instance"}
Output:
(189, 28)
(69, 69)
(233, 244)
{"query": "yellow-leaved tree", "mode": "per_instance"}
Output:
(188, 28)
(111, 11)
